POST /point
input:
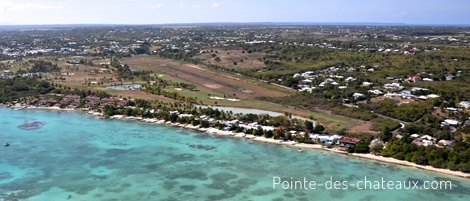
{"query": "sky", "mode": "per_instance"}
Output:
(32, 12)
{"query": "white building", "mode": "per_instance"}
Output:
(358, 96)
(376, 92)
(433, 96)
(308, 74)
(464, 104)
(350, 79)
(326, 139)
(393, 86)
(366, 84)
(451, 122)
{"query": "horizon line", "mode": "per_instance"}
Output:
(247, 23)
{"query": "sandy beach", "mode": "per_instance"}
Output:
(266, 140)
(17, 106)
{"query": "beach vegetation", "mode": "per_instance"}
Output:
(455, 158)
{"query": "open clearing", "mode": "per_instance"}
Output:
(362, 127)
(229, 57)
(216, 81)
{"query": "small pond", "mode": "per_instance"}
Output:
(125, 87)
(248, 111)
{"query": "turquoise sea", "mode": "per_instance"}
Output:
(71, 156)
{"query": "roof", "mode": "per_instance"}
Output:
(358, 94)
(349, 140)
(451, 121)
(446, 142)
(426, 137)
(465, 104)
(433, 96)
(423, 97)
(451, 109)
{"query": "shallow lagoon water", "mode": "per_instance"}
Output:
(125, 87)
(78, 157)
(236, 110)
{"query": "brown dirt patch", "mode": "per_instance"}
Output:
(381, 98)
(215, 80)
(194, 66)
(213, 86)
(228, 57)
(362, 127)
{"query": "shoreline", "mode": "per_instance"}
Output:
(301, 146)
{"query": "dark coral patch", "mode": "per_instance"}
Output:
(115, 152)
(188, 187)
(5, 175)
(247, 181)
(197, 175)
(31, 125)
(202, 147)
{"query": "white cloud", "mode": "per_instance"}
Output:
(215, 5)
(9, 6)
(180, 5)
(160, 5)
(402, 14)
(197, 6)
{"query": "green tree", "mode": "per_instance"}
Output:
(376, 148)
(361, 147)
(318, 128)
(385, 134)
(308, 125)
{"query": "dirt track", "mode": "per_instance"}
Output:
(203, 77)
